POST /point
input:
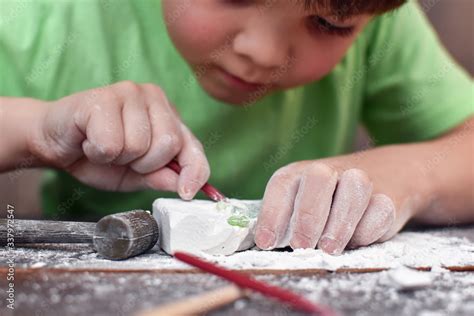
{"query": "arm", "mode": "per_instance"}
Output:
(18, 117)
(449, 167)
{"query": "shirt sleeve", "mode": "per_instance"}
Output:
(415, 91)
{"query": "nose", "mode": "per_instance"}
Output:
(262, 45)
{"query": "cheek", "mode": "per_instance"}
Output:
(191, 31)
(316, 62)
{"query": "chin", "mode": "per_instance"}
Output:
(235, 99)
(238, 100)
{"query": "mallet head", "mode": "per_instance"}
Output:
(124, 235)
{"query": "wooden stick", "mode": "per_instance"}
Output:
(199, 304)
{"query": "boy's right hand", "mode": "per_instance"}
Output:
(120, 137)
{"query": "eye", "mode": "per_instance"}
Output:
(319, 24)
(237, 3)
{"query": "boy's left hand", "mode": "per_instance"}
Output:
(340, 202)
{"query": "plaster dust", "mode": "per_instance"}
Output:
(437, 248)
(406, 249)
(407, 279)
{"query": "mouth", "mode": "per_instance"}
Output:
(238, 83)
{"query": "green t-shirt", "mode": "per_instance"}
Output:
(396, 79)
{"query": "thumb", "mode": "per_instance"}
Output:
(195, 168)
(163, 179)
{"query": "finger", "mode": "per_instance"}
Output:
(103, 128)
(376, 221)
(277, 208)
(195, 170)
(137, 130)
(350, 201)
(120, 178)
(403, 216)
(104, 177)
(312, 205)
(131, 181)
(167, 137)
(164, 179)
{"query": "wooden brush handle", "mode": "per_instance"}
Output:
(199, 304)
(41, 231)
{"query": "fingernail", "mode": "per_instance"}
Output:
(300, 242)
(265, 239)
(330, 245)
(186, 193)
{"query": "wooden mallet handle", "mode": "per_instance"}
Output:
(26, 231)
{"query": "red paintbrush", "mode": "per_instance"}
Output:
(207, 189)
(244, 281)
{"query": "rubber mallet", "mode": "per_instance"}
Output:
(116, 236)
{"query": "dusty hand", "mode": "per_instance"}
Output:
(338, 202)
(121, 137)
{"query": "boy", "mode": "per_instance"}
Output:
(300, 74)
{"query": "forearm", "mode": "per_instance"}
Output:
(19, 118)
(450, 171)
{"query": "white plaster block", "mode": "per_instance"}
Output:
(205, 226)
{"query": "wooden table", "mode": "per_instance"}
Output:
(43, 291)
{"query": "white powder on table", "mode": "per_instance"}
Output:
(412, 249)
(407, 249)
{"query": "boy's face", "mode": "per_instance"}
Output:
(242, 50)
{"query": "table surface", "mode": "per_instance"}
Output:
(42, 291)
